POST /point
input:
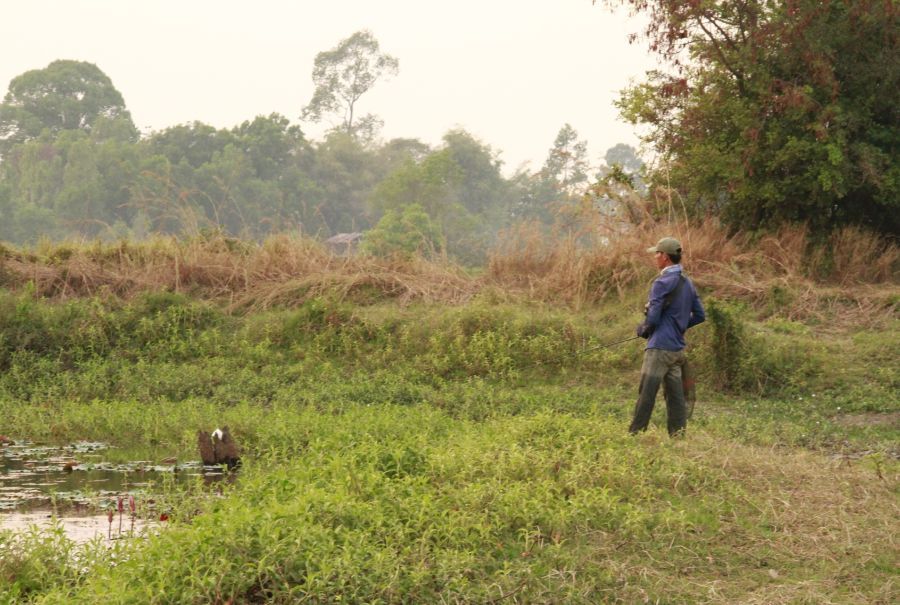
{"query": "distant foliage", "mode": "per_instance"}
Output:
(559, 183)
(74, 167)
(258, 178)
(460, 187)
(406, 230)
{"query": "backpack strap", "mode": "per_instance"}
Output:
(671, 295)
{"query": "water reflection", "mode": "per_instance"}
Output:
(77, 475)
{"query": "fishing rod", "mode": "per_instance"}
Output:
(580, 352)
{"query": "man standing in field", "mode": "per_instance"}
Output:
(672, 307)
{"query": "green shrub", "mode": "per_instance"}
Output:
(406, 231)
(742, 361)
(70, 331)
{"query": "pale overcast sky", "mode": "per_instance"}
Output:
(511, 72)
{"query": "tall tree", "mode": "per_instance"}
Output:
(560, 181)
(344, 74)
(65, 95)
(624, 156)
(567, 162)
(776, 111)
(344, 171)
(32, 176)
(271, 142)
(195, 143)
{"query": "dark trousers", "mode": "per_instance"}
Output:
(661, 367)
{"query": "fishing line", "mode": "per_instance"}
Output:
(579, 353)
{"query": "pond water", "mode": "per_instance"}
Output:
(79, 527)
(76, 486)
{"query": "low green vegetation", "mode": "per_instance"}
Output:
(473, 453)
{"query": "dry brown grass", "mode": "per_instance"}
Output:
(575, 269)
(855, 271)
(281, 271)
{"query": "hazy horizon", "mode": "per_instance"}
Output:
(511, 73)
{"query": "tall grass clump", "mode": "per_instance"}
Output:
(574, 268)
(741, 361)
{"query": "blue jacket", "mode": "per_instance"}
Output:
(670, 324)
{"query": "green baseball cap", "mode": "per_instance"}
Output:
(669, 245)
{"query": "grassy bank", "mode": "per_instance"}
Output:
(359, 507)
(469, 449)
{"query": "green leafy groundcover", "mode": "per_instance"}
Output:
(465, 454)
(375, 510)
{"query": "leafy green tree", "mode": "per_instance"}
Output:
(223, 185)
(159, 199)
(70, 185)
(429, 183)
(404, 230)
(396, 152)
(32, 175)
(459, 186)
(250, 180)
(624, 156)
(271, 143)
(538, 200)
(65, 95)
(281, 156)
(118, 165)
(77, 201)
(482, 190)
(776, 112)
(344, 172)
(343, 75)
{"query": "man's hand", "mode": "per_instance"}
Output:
(643, 330)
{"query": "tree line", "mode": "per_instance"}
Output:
(765, 113)
(74, 166)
